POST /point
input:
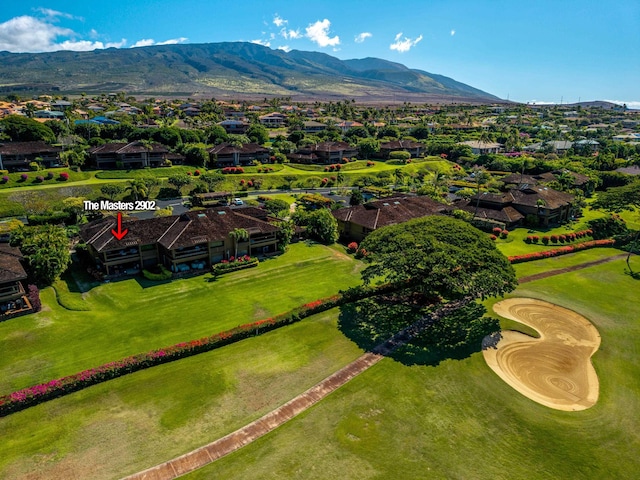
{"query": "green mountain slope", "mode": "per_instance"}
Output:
(223, 69)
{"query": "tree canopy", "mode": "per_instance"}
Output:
(439, 257)
(46, 250)
(23, 129)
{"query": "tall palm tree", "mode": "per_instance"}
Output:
(138, 189)
(238, 235)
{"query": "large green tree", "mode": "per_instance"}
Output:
(440, 257)
(438, 266)
(617, 199)
(322, 226)
(23, 129)
(46, 250)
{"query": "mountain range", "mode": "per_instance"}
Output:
(230, 69)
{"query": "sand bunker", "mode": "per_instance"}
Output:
(555, 369)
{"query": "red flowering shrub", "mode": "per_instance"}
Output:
(493, 237)
(242, 182)
(197, 173)
(504, 233)
(64, 176)
(352, 247)
(497, 231)
(370, 164)
(560, 251)
(545, 240)
(554, 238)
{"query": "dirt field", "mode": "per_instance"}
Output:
(554, 370)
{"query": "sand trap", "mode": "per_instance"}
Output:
(555, 369)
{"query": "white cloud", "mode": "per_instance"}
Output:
(48, 12)
(145, 42)
(87, 46)
(27, 34)
(30, 34)
(290, 34)
(264, 43)
(453, 32)
(278, 21)
(285, 48)
(634, 104)
(148, 42)
(318, 32)
(404, 45)
(361, 37)
(173, 41)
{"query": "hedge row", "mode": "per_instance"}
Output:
(157, 277)
(560, 251)
(238, 264)
(30, 396)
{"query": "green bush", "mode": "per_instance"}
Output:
(401, 155)
(227, 267)
(34, 166)
(157, 277)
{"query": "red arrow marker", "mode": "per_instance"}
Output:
(120, 233)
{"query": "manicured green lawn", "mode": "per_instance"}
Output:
(131, 423)
(554, 263)
(460, 420)
(130, 316)
(453, 420)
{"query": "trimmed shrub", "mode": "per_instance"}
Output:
(33, 294)
(352, 247)
(545, 240)
(64, 176)
(157, 277)
(560, 251)
(234, 264)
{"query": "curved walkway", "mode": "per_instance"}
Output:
(234, 441)
(209, 453)
(572, 268)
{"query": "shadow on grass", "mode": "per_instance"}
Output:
(357, 325)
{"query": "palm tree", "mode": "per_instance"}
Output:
(138, 189)
(238, 234)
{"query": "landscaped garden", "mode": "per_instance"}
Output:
(360, 431)
(133, 316)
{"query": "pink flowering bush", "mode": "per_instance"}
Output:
(560, 251)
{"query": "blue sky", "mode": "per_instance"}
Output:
(528, 50)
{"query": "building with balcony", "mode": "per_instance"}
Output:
(192, 241)
(13, 298)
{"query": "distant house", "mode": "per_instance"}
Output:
(273, 120)
(61, 105)
(324, 152)
(414, 148)
(556, 146)
(548, 205)
(578, 180)
(482, 148)
(13, 298)
(128, 155)
(355, 223)
(190, 242)
(311, 126)
(49, 114)
(347, 125)
(226, 154)
(17, 155)
(237, 127)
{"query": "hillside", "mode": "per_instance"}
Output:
(227, 69)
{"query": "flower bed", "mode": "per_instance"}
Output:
(565, 238)
(34, 395)
(234, 264)
(560, 251)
